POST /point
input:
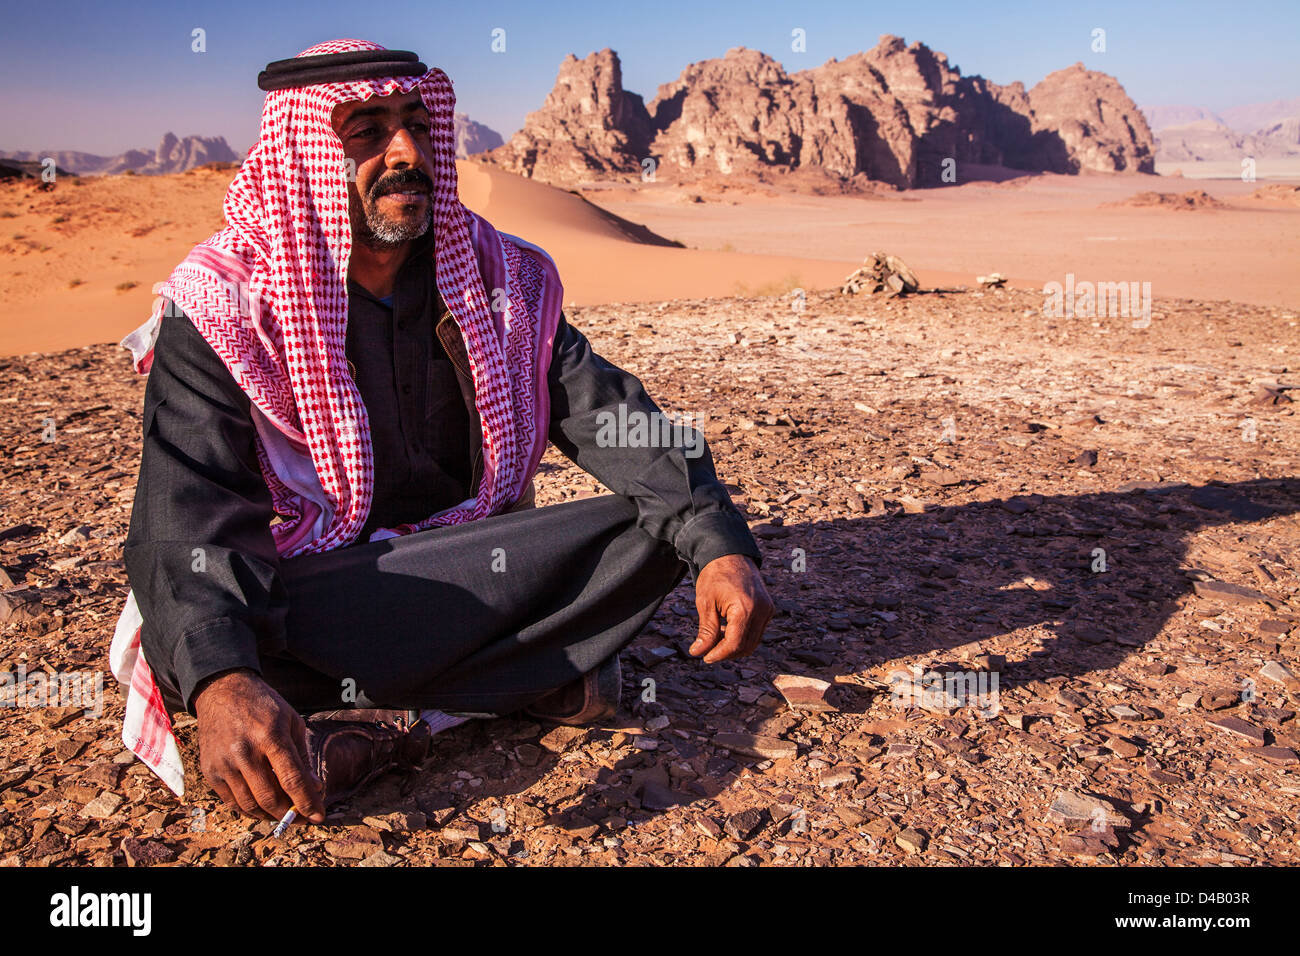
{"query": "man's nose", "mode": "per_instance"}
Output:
(402, 151)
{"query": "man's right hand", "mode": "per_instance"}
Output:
(253, 748)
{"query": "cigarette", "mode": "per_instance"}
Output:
(284, 823)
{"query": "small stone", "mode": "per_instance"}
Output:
(709, 827)
(1124, 712)
(78, 535)
(805, 694)
(103, 806)
(741, 826)
(1021, 504)
(913, 841)
(993, 663)
(1123, 747)
(146, 852)
(398, 821)
(836, 777)
(1089, 842)
(56, 717)
(102, 773)
(1070, 699)
(528, 754)
(380, 858)
(1219, 699)
(559, 739)
(655, 724)
(1239, 728)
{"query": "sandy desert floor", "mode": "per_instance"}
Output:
(1032, 229)
(77, 264)
(1106, 518)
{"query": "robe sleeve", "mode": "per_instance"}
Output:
(199, 554)
(677, 493)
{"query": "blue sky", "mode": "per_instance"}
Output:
(104, 77)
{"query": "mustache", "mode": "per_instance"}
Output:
(401, 181)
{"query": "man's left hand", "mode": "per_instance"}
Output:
(730, 588)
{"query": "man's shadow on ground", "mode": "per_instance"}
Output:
(1106, 572)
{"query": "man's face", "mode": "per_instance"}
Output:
(391, 201)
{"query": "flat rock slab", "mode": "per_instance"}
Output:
(560, 738)
(1278, 673)
(1229, 593)
(397, 821)
(1072, 807)
(753, 745)
(1239, 728)
(1280, 755)
(804, 693)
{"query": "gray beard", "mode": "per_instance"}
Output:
(380, 232)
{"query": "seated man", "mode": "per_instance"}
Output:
(350, 389)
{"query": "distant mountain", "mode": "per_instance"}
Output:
(172, 156)
(1254, 117)
(1162, 117)
(175, 155)
(1263, 130)
(472, 137)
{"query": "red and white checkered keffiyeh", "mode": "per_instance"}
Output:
(269, 294)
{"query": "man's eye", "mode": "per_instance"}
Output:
(365, 131)
(420, 124)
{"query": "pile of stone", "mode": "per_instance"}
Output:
(881, 272)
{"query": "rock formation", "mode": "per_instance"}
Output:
(472, 137)
(896, 114)
(1099, 128)
(588, 126)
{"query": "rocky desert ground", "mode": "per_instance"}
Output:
(1037, 568)
(1038, 580)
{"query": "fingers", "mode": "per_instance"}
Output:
(295, 779)
(222, 791)
(747, 617)
(710, 625)
(734, 639)
(243, 794)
